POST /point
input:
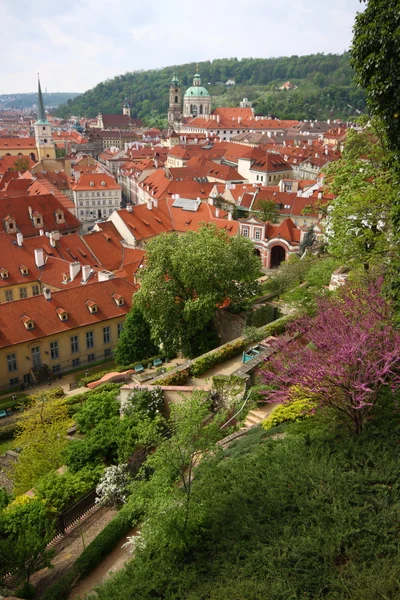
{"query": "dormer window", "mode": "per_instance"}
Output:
(92, 306)
(27, 321)
(10, 224)
(118, 299)
(37, 219)
(24, 269)
(3, 273)
(62, 314)
(59, 216)
(91, 183)
(103, 183)
(65, 277)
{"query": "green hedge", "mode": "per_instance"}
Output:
(94, 553)
(119, 369)
(178, 378)
(275, 328)
(7, 431)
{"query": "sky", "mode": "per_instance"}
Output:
(75, 44)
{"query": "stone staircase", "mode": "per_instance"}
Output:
(257, 415)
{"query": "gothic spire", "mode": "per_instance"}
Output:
(41, 111)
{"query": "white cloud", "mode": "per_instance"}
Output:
(77, 44)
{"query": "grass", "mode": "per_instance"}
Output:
(95, 369)
(6, 445)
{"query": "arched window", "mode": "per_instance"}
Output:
(200, 109)
(176, 99)
(191, 108)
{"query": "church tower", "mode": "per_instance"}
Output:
(175, 102)
(44, 141)
(126, 109)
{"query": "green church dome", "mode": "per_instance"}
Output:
(196, 91)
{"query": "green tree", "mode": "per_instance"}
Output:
(26, 528)
(358, 224)
(187, 277)
(42, 436)
(21, 164)
(135, 341)
(267, 210)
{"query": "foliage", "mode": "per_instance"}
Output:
(205, 363)
(60, 491)
(192, 436)
(41, 435)
(307, 516)
(308, 240)
(26, 528)
(344, 356)
(100, 406)
(135, 343)
(325, 88)
(7, 432)
(21, 164)
(99, 446)
(290, 274)
(112, 490)
(296, 410)
(148, 401)
(267, 210)
(178, 378)
(358, 221)
(262, 315)
(187, 277)
(375, 54)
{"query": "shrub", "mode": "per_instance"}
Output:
(215, 357)
(177, 378)
(147, 401)
(7, 432)
(61, 589)
(293, 411)
(61, 490)
(107, 540)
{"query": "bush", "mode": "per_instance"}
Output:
(215, 357)
(61, 589)
(177, 378)
(7, 432)
(293, 411)
(120, 369)
(26, 591)
(60, 491)
(261, 316)
(106, 541)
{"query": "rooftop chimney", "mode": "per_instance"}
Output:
(86, 270)
(217, 213)
(230, 218)
(20, 239)
(39, 257)
(41, 231)
(149, 205)
(74, 269)
(129, 208)
(155, 202)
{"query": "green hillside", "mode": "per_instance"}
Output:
(326, 88)
(29, 100)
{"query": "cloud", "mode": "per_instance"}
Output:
(77, 44)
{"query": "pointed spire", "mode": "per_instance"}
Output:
(41, 112)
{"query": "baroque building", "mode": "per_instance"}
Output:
(196, 101)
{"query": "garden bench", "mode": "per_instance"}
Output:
(3, 413)
(157, 362)
(139, 368)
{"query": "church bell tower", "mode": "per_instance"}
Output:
(175, 102)
(44, 141)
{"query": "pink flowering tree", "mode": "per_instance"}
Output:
(342, 357)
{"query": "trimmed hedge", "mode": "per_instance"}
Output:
(94, 553)
(178, 378)
(119, 369)
(7, 431)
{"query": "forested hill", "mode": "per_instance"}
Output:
(29, 100)
(326, 88)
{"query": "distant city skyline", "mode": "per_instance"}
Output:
(74, 46)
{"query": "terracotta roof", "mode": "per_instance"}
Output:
(7, 143)
(96, 181)
(107, 247)
(7, 163)
(46, 320)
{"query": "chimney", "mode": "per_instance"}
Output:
(217, 213)
(20, 239)
(86, 270)
(74, 269)
(230, 218)
(218, 119)
(47, 293)
(149, 205)
(155, 202)
(129, 208)
(299, 193)
(41, 231)
(52, 242)
(39, 257)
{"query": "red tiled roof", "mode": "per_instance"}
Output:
(96, 181)
(7, 143)
(45, 318)
(107, 247)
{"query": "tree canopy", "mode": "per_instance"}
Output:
(187, 278)
(134, 343)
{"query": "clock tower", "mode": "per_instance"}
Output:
(175, 102)
(44, 141)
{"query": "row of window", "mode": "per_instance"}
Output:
(89, 214)
(74, 344)
(257, 233)
(56, 369)
(91, 194)
(23, 293)
(105, 202)
(270, 178)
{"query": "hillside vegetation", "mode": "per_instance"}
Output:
(326, 88)
(8, 101)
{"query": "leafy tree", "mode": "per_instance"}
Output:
(26, 528)
(375, 54)
(113, 488)
(169, 491)
(42, 437)
(308, 240)
(21, 164)
(358, 225)
(187, 277)
(135, 341)
(61, 490)
(267, 210)
(343, 357)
